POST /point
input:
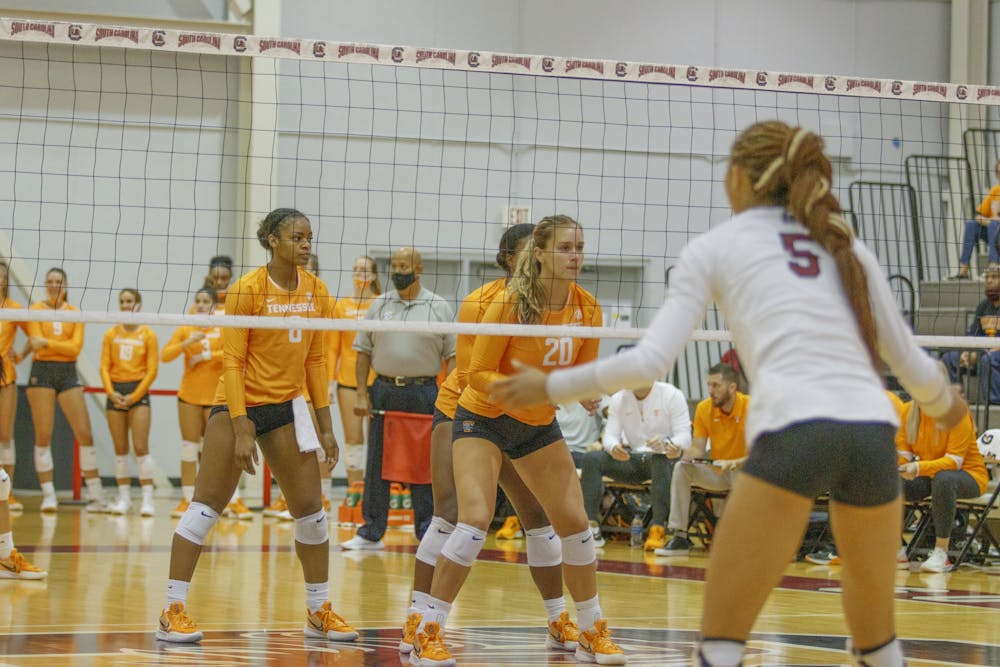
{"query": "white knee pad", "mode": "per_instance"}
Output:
(6, 453)
(464, 544)
(544, 547)
(579, 549)
(5, 485)
(433, 540)
(353, 456)
(43, 459)
(147, 469)
(312, 529)
(189, 451)
(121, 467)
(88, 458)
(196, 522)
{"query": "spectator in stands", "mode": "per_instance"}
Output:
(406, 366)
(582, 428)
(642, 424)
(984, 323)
(943, 465)
(983, 228)
(720, 420)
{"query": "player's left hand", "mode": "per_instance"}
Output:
(330, 447)
(524, 389)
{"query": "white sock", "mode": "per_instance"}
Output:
(125, 492)
(177, 591)
(436, 612)
(188, 492)
(720, 652)
(555, 607)
(6, 544)
(418, 602)
(147, 493)
(48, 489)
(94, 488)
(887, 655)
(316, 595)
(588, 612)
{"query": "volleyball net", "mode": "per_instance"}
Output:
(130, 156)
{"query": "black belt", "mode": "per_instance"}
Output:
(402, 381)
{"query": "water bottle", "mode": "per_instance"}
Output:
(635, 539)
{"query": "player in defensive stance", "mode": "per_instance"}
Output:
(543, 547)
(260, 397)
(812, 317)
(543, 290)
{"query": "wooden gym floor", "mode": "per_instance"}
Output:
(101, 601)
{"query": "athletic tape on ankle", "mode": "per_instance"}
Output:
(196, 522)
(189, 451)
(579, 549)
(312, 529)
(433, 540)
(543, 546)
(88, 458)
(146, 467)
(121, 467)
(464, 544)
(354, 456)
(6, 453)
(43, 459)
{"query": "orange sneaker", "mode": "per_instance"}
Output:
(182, 507)
(429, 649)
(326, 505)
(326, 624)
(16, 566)
(596, 646)
(563, 634)
(276, 508)
(13, 504)
(177, 626)
(657, 539)
(409, 632)
(510, 530)
(237, 510)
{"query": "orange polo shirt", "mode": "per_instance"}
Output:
(725, 431)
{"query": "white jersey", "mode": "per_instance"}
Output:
(792, 324)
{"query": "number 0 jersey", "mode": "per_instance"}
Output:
(792, 323)
(272, 363)
(493, 356)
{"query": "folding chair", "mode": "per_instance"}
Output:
(703, 518)
(617, 516)
(978, 510)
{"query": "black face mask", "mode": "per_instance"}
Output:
(402, 280)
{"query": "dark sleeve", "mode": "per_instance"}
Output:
(975, 329)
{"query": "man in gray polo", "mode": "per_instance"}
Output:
(406, 367)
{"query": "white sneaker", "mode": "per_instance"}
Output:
(147, 509)
(598, 538)
(120, 506)
(358, 543)
(937, 561)
(98, 506)
(902, 561)
(49, 504)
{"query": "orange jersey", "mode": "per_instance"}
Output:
(493, 356)
(200, 377)
(342, 358)
(726, 432)
(937, 450)
(7, 331)
(986, 206)
(472, 309)
(269, 366)
(65, 338)
(129, 356)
